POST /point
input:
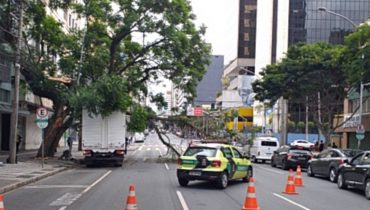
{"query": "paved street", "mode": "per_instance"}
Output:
(156, 188)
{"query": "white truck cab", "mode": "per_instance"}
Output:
(263, 148)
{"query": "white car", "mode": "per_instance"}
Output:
(302, 143)
(139, 137)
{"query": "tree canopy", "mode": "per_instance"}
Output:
(310, 74)
(106, 64)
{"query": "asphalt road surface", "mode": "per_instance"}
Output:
(156, 188)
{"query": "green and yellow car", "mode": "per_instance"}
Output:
(214, 162)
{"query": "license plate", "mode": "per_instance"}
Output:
(301, 158)
(195, 173)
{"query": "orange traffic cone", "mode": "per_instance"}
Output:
(2, 202)
(250, 202)
(131, 199)
(290, 188)
(298, 178)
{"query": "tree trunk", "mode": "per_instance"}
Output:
(55, 131)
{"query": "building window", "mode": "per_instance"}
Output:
(4, 96)
(246, 51)
(246, 36)
(247, 23)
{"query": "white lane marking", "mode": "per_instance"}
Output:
(292, 202)
(140, 148)
(144, 159)
(182, 200)
(54, 186)
(147, 149)
(96, 182)
(165, 164)
(68, 198)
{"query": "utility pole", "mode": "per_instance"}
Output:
(306, 124)
(15, 104)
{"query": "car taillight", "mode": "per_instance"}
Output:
(216, 163)
(179, 161)
(120, 152)
(341, 161)
(87, 153)
(289, 156)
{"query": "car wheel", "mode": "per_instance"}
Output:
(183, 182)
(309, 171)
(332, 175)
(367, 189)
(222, 180)
(249, 174)
(341, 182)
(272, 162)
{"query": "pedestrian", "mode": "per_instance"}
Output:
(316, 146)
(126, 144)
(70, 140)
(334, 145)
(321, 147)
(19, 141)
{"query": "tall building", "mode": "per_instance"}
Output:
(237, 76)
(208, 88)
(281, 23)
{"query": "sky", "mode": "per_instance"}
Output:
(221, 19)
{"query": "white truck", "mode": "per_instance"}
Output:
(103, 139)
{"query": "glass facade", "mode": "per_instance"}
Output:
(308, 24)
(247, 29)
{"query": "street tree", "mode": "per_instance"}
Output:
(310, 75)
(357, 56)
(107, 64)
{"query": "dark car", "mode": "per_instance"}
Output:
(290, 157)
(326, 163)
(356, 173)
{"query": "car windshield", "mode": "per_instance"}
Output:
(351, 152)
(206, 151)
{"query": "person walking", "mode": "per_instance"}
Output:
(334, 145)
(321, 146)
(70, 140)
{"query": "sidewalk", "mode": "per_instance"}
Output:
(28, 169)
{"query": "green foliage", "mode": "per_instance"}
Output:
(356, 59)
(307, 69)
(301, 125)
(291, 126)
(138, 119)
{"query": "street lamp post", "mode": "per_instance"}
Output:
(323, 9)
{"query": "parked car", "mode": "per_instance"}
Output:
(302, 143)
(262, 148)
(213, 162)
(139, 137)
(290, 157)
(356, 173)
(327, 162)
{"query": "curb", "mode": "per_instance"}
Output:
(31, 180)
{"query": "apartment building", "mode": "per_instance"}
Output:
(28, 102)
(281, 23)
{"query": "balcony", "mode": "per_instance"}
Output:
(234, 67)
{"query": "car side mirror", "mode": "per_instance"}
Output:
(346, 161)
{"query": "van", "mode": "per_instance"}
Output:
(263, 148)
